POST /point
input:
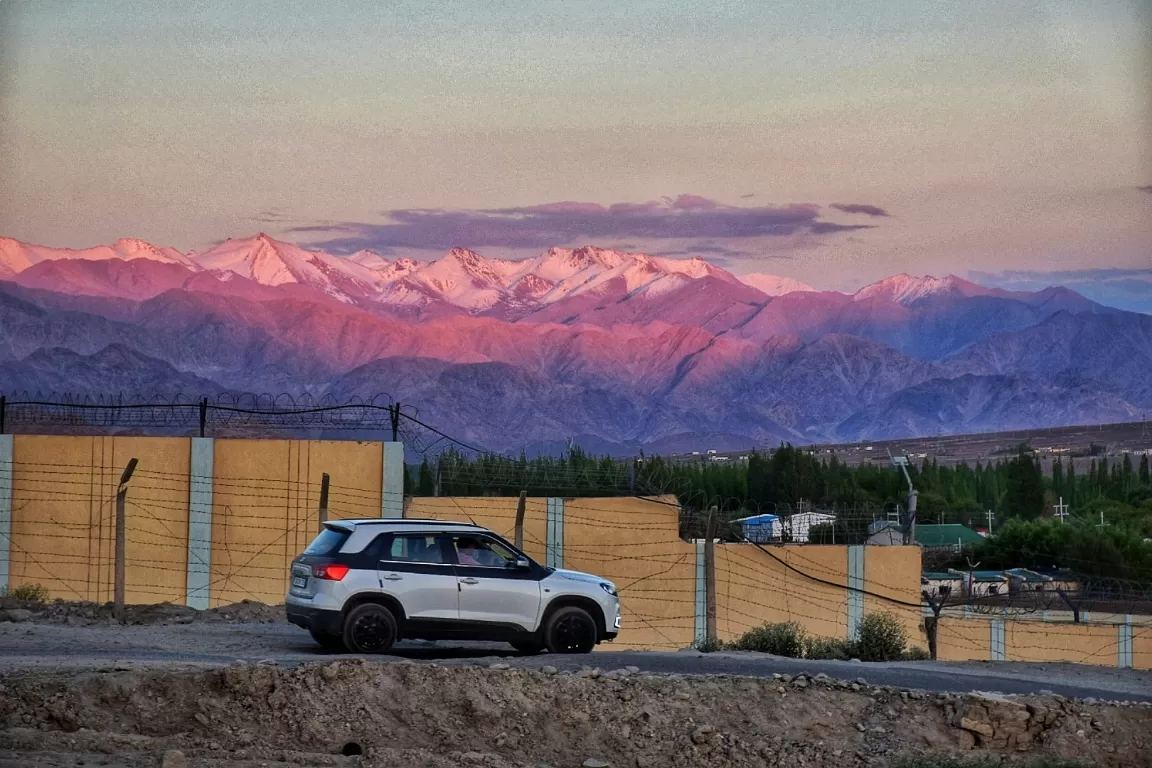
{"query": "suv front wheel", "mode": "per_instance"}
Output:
(369, 628)
(570, 630)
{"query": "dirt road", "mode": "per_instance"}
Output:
(56, 646)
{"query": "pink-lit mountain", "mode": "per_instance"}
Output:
(606, 347)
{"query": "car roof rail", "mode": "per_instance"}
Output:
(408, 521)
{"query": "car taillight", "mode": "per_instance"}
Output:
(330, 572)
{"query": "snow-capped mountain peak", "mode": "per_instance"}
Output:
(906, 289)
(369, 259)
(272, 262)
(775, 285)
(15, 256)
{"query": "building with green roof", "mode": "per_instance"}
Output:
(929, 536)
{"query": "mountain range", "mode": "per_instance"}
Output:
(614, 350)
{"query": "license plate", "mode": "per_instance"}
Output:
(300, 581)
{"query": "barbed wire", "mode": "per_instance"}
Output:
(227, 414)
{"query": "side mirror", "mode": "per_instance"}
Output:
(523, 563)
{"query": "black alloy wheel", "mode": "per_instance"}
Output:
(369, 628)
(570, 630)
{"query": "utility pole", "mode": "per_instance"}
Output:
(990, 516)
(910, 530)
(932, 623)
(121, 538)
(322, 513)
(1062, 510)
(520, 507)
(394, 417)
(710, 578)
(970, 578)
(203, 416)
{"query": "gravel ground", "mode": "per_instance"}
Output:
(419, 715)
(237, 687)
(30, 645)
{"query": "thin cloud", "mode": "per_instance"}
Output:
(867, 210)
(684, 218)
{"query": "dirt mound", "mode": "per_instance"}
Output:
(84, 614)
(424, 715)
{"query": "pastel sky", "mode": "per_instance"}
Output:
(836, 142)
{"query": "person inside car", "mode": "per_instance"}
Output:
(467, 553)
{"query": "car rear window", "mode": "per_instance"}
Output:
(328, 542)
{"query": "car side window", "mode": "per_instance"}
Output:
(482, 551)
(413, 548)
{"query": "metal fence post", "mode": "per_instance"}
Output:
(121, 497)
(322, 513)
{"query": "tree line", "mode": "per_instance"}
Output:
(1011, 488)
(1018, 493)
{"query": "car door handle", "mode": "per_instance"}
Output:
(469, 580)
(393, 577)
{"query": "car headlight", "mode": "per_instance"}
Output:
(608, 588)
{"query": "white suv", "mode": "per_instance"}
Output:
(361, 585)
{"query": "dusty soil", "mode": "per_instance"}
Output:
(404, 715)
(86, 614)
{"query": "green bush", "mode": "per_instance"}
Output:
(27, 593)
(785, 639)
(916, 654)
(834, 648)
(881, 638)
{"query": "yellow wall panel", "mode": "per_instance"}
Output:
(757, 586)
(256, 515)
(1142, 647)
(964, 640)
(355, 476)
(1079, 643)
(156, 517)
(266, 501)
(892, 580)
(635, 543)
(63, 516)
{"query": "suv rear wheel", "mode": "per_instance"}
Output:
(369, 628)
(570, 630)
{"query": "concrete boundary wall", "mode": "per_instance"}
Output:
(392, 481)
(212, 522)
(700, 594)
(5, 508)
(200, 480)
(855, 590)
